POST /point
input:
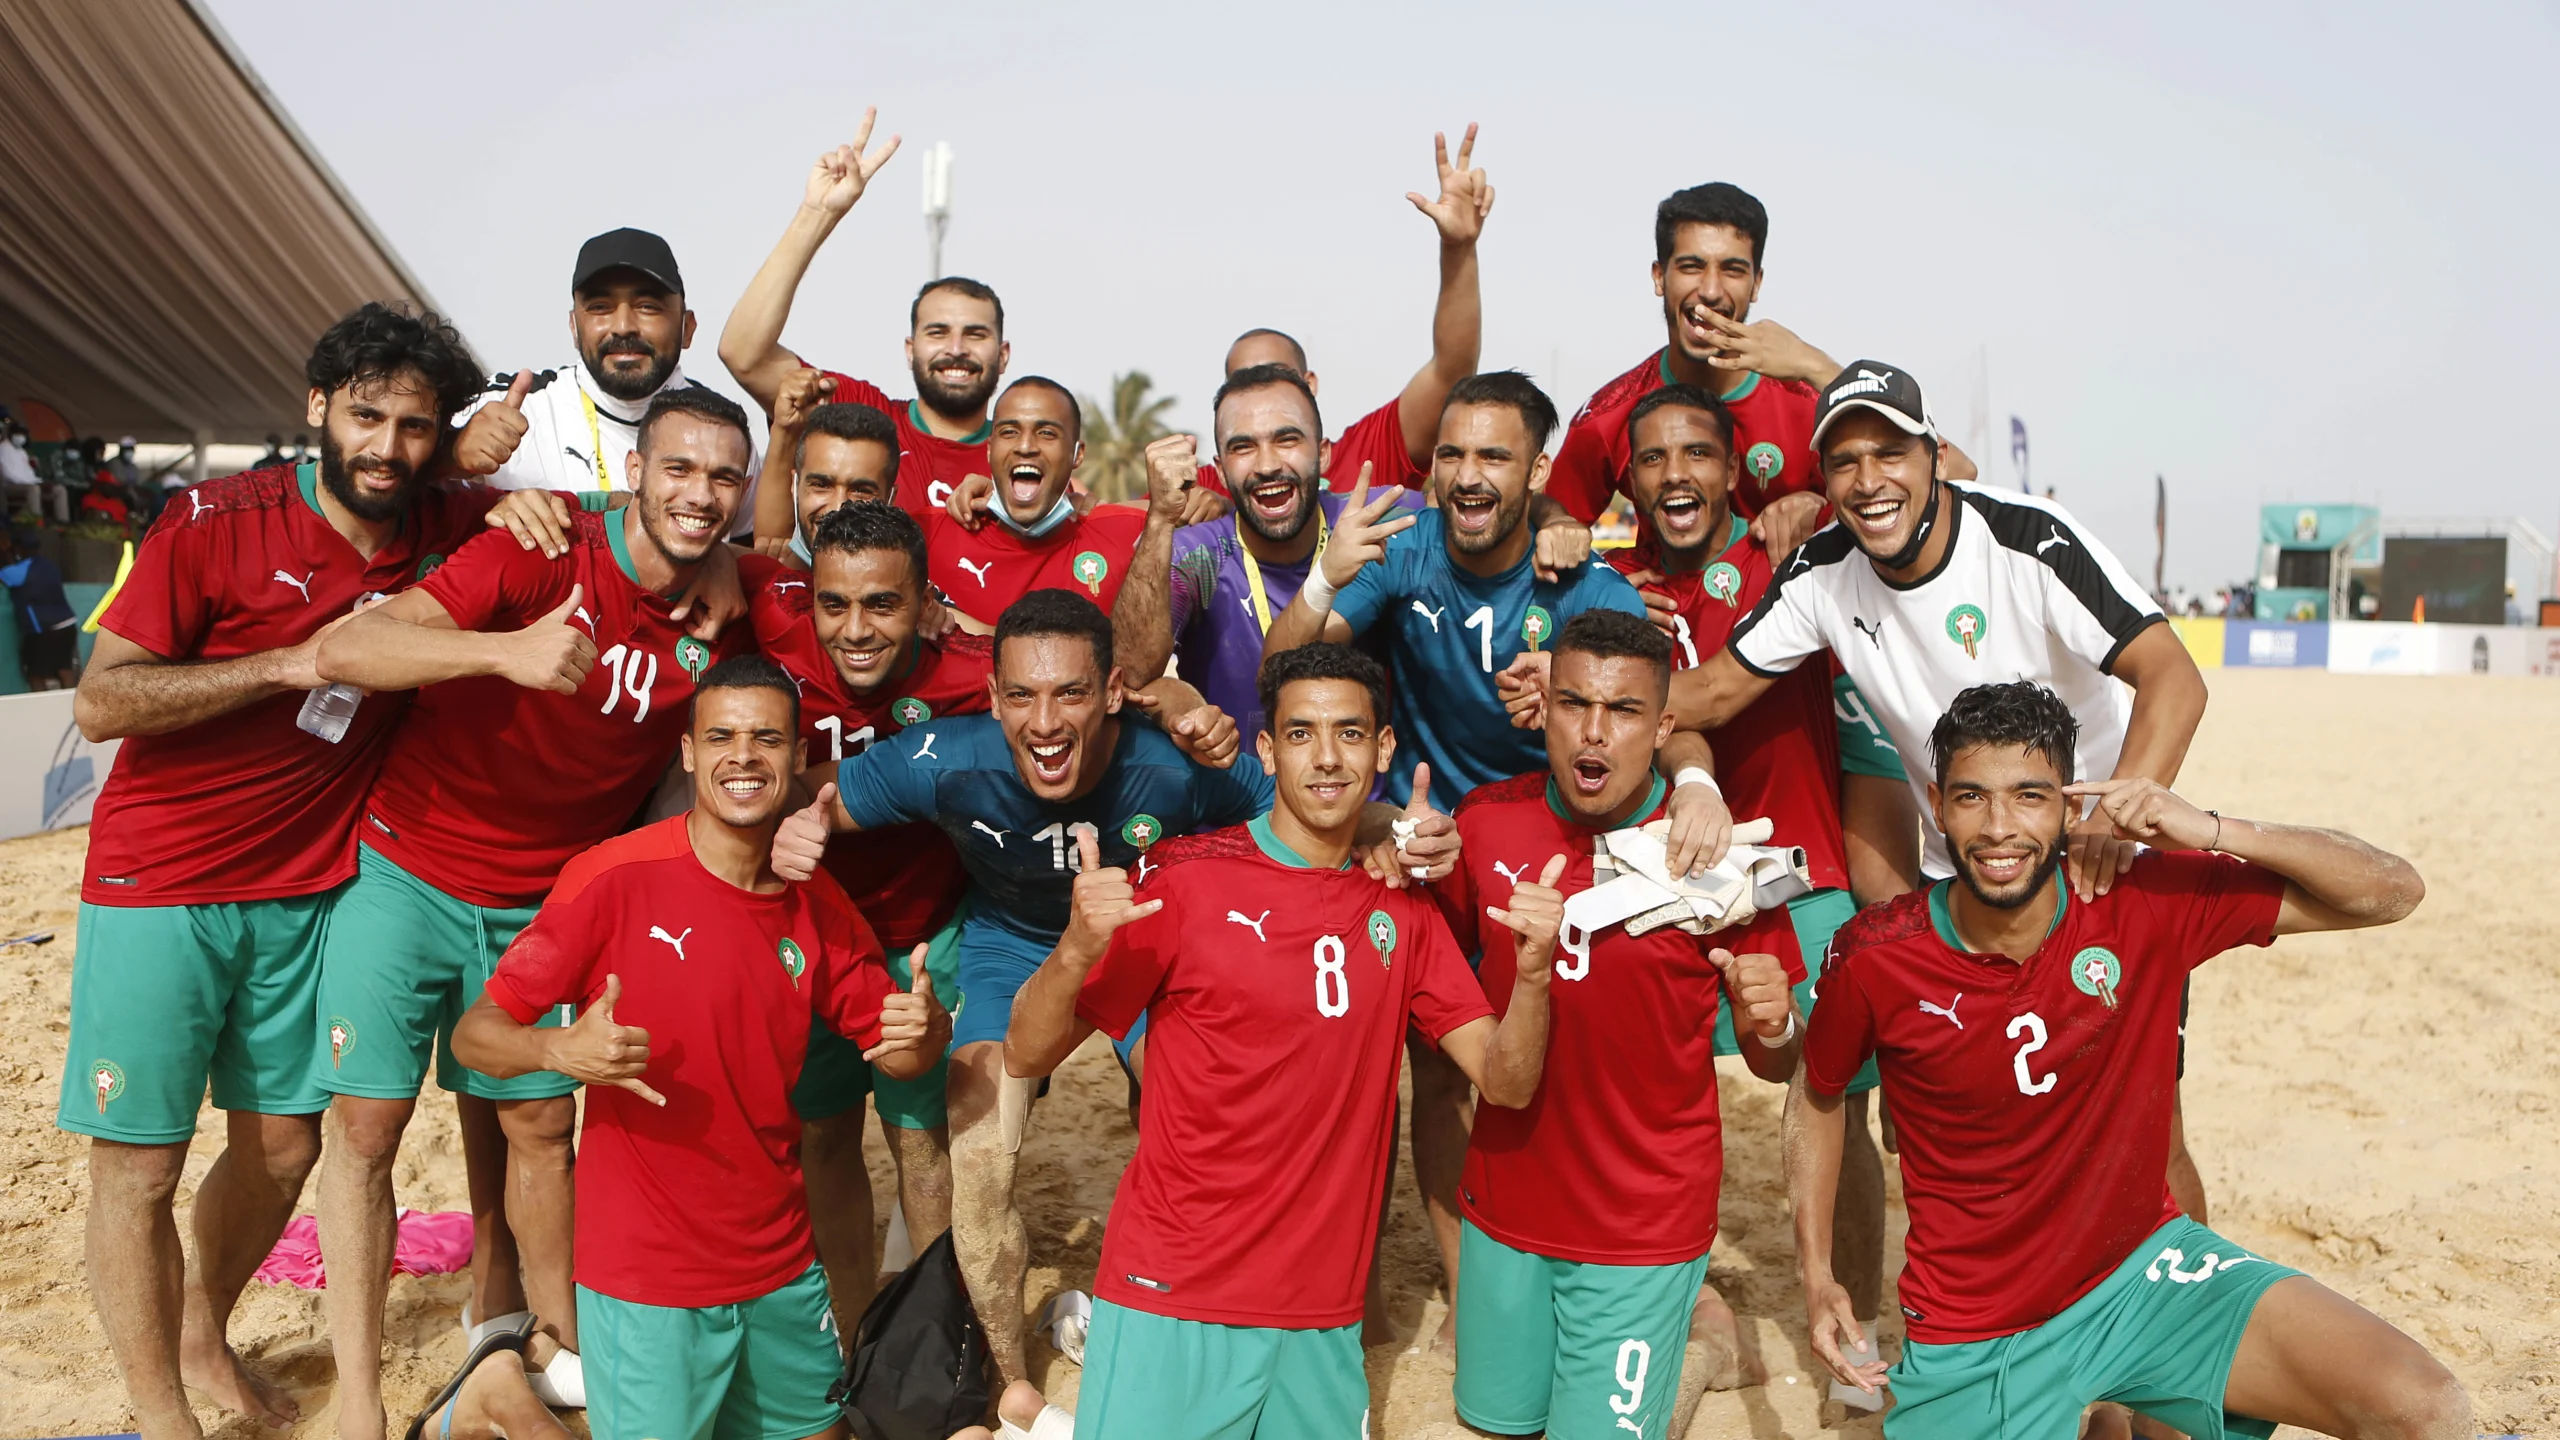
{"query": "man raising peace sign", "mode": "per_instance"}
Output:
(701, 970)
(1279, 977)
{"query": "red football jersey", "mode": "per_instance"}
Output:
(1781, 756)
(490, 787)
(1376, 440)
(929, 467)
(1772, 432)
(1617, 1159)
(1277, 999)
(984, 570)
(907, 879)
(2032, 1100)
(246, 806)
(699, 1203)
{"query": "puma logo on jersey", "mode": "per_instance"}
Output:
(1948, 1010)
(674, 942)
(978, 570)
(2058, 539)
(1142, 873)
(1511, 873)
(198, 501)
(781, 585)
(303, 584)
(992, 832)
(925, 750)
(1874, 633)
(1430, 614)
(1254, 924)
(581, 614)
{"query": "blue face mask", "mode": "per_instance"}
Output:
(1059, 514)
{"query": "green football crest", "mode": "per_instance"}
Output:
(2097, 972)
(1764, 461)
(1724, 582)
(1966, 625)
(1537, 626)
(1142, 830)
(693, 655)
(792, 959)
(910, 711)
(1382, 935)
(1091, 568)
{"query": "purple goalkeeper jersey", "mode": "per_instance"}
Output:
(1217, 629)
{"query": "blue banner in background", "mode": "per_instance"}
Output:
(2275, 645)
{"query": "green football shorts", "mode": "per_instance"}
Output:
(400, 961)
(2156, 1336)
(835, 1077)
(163, 996)
(1864, 747)
(1577, 1350)
(1815, 918)
(756, 1370)
(1169, 1379)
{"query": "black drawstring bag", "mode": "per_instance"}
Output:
(919, 1367)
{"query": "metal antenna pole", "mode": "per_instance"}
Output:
(937, 201)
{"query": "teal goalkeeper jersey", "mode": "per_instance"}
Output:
(1449, 632)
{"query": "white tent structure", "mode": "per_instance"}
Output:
(170, 244)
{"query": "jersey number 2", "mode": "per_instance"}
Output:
(2030, 1025)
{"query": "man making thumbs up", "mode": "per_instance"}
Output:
(702, 1305)
(1279, 977)
(1581, 1298)
(552, 689)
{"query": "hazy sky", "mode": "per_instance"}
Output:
(2296, 252)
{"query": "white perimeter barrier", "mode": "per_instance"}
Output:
(2366, 647)
(49, 773)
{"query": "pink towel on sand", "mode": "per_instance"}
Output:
(429, 1244)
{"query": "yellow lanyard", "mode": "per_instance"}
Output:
(595, 437)
(1253, 570)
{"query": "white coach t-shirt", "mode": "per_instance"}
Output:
(2023, 593)
(571, 424)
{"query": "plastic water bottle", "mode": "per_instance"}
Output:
(329, 710)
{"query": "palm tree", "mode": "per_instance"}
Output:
(1116, 438)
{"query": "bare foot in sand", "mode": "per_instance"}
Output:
(217, 1372)
(1715, 1345)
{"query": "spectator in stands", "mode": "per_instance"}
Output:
(48, 628)
(274, 456)
(2515, 612)
(301, 449)
(21, 489)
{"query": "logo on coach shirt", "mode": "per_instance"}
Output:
(1764, 461)
(1874, 632)
(1724, 582)
(909, 710)
(693, 655)
(106, 1077)
(1090, 568)
(1142, 830)
(2097, 972)
(792, 959)
(1966, 625)
(342, 1038)
(1382, 935)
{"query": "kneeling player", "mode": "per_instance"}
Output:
(1589, 1213)
(1278, 976)
(697, 971)
(2028, 1042)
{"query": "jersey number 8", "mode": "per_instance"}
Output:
(1333, 987)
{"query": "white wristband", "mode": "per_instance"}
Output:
(1693, 775)
(1788, 1034)
(1319, 589)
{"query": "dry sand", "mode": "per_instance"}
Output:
(2380, 1110)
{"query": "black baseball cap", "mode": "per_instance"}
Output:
(1888, 390)
(628, 249)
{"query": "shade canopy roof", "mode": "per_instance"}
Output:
(170, 244)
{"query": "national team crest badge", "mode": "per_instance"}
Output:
(1090, 569)
(1765, 462)
(1382, 935)
(1966, 625)
(910, 711)
(1536, 626)
(342, 1038)
(427, 567)
(2097, 972)
(693, 655)
(106, 1077)
(1142, 830)
(792, 959)
(1725, 583)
